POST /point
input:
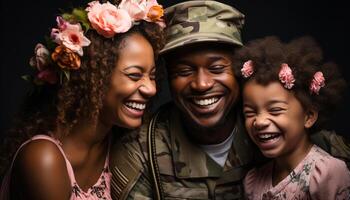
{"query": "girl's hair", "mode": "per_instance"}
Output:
(80, 97)
(304, 57)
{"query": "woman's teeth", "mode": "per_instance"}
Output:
(134, 105)
(205, 102)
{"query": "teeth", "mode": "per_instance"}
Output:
(134, 105)
(206, 102)
(267, 136)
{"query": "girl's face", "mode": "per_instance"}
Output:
(132, 83)
(275, 119)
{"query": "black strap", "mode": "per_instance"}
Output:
(153, 165)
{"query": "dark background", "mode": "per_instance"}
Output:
(24, 24)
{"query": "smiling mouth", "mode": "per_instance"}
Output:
(268, 137)
(205, 101)
(135, 105)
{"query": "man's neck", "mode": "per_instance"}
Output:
(211, 135)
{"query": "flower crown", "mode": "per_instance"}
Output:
(66, 42)
(286, 77)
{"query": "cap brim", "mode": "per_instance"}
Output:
(199, 38)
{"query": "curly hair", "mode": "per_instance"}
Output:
(79, 98)
(304, 57)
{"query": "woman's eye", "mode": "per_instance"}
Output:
(217, 69)
(152, 76)
(135, 76)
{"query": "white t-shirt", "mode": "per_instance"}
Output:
(219, 152)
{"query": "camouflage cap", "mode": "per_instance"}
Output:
(202, 21)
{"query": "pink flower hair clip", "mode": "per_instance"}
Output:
(247, 69)
(318, 81)
(286, 76)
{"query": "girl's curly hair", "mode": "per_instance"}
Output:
(304, 57)
(79, 98)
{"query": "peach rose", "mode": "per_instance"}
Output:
(107, 19)
(155, 13)
(66, 58)
(70, 35)
(136, 9)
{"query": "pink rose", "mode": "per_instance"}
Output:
(136, 9)
(285, 75)
(48, 75)
(41, 58)
(317, 82)
(70, 36)
(247, 69)
(107, 19)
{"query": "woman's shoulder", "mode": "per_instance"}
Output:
(41, 167)
(39, 153)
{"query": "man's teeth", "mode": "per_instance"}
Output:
(206, 102)
(134, 105)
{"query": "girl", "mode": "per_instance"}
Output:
(97, 71)
(288, 94)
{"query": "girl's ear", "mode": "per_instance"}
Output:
(310, 118)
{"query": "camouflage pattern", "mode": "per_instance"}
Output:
(187, 172)
(202, 21)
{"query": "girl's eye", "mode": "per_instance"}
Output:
(135, 76)
(249, 113)
(217, 69)
(276, 110)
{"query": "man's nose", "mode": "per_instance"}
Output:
(203, 81)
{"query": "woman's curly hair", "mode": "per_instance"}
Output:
(79, 98)
(304, 57)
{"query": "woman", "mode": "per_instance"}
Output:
(90, 81)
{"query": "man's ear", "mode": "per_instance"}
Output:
(310, 118)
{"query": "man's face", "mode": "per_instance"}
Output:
(203, 84)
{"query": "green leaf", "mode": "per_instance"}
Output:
(50, 44)
(28, 78)
(68, 17)
(81, 16)
(67, 74)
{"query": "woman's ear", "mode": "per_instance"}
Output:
(310, 118)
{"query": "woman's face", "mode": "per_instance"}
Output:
(132, 83)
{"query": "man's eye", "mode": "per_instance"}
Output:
(135, 76)
(184, 72)
(217, 69)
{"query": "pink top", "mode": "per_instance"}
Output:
(100, 190)
(317, 176)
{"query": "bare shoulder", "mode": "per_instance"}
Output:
(40, 171)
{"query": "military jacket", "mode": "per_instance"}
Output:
(186, 171)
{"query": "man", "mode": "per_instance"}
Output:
(196, 147)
